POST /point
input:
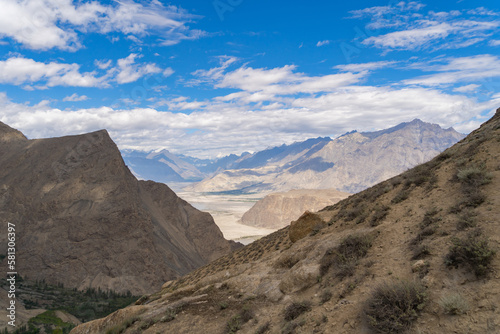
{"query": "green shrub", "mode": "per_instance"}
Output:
(295, 309)
(393, 306)
(474, 251)
(454, 304)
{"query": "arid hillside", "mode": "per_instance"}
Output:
(416, 253)
(83, 220)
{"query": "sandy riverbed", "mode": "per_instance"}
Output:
(227, 211)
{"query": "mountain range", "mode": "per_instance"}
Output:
(83, 220)
(417, 253)
(349, 163)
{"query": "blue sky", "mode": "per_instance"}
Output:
(213, 77)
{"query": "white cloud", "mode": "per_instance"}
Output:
(466, 88)
(218, 126)
(410, 39)
(129, 71)
(494, 42)
(168, 72)
(453, 70)
(365, 66)
(76, 98)
(102, 64)
(321, 43)
(433, 30)
(37, 75)
(46, 24)
(19, 71)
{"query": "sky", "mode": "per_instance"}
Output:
(208, 78)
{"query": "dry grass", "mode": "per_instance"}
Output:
(394, 306)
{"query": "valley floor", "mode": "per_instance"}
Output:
(227, 211)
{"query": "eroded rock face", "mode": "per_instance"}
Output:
(279, 209)
(82, 219)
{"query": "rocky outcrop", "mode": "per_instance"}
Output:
(278, 209)
(83, 220)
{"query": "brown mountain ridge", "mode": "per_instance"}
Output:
(415, 253)
(83, 220)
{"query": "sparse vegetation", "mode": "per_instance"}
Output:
(471, 179)
(380, 213)
(473, 251)
(118, 329)
(417, 175)
(466, 220)
(294, 310)
(474, 176)
(169, 315)
(401, 196)
(393, 306)
(264, 328)
(421, 251)
(234, 324)
(345, 257)
(326, 295)
(454, 304)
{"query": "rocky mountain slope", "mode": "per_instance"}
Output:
(83, 220)
(277, 210)
(416, 253)
(349, 163)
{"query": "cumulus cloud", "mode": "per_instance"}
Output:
(222, 126)
(18, 70)
(129, 71)
(47, 24)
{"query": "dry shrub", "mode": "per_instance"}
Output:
(394, 306)
(454, 304)
(295, 309)
(473, 251)
(344, 258)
